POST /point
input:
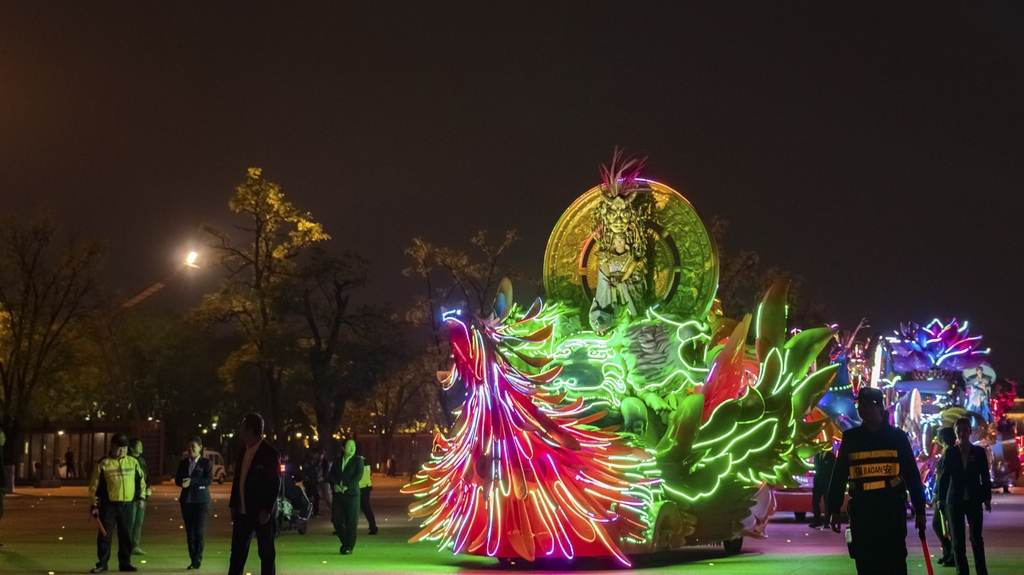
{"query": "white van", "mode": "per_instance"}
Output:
(219, 473)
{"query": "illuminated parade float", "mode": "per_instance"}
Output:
(624, 415)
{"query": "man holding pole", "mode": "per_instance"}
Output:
(879, 464)
(116, 488)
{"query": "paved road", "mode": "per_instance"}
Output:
(49, 531)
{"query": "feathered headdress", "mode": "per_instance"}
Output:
(620, 179)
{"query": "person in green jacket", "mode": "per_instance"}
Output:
(116, 489)
(135, 450)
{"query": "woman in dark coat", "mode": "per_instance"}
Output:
(194, 475)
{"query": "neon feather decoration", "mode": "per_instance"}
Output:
(523, 474)
(936, 346)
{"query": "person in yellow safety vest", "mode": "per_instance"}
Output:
(116, 489)
(365, 487)
(878, 462)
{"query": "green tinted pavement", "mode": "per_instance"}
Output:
(49, 531)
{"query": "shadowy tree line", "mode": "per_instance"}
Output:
(280, 334)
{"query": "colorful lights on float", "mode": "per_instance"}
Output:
(936, 346)
(523, 474)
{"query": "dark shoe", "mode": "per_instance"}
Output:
(190, 567)
(373, 531)
(346, 551)
(98, 569)
(816, 523)
(950, 563)
(128, 568)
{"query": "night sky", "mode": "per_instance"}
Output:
(876, 152)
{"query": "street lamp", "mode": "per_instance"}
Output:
(189, 261)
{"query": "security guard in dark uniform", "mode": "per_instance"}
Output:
(877, 460)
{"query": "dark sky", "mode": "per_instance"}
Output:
(875, 151)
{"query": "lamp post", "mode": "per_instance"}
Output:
(110, 349)
(189, 262)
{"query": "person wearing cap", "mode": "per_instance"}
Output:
(877, 461)
(117, 487)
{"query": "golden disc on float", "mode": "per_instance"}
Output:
(681, 263)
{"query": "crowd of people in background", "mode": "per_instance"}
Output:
(119, 487)
(875, 465)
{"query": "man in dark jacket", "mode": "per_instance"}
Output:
(824, 463)
(254, 494)
(964, 486)
(946, 438)
(344, 479)
(877, 460)
(194, 475)
(135, 450)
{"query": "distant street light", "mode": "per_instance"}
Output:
(190, 261)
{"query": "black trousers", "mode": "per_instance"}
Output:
(818, 493)
(314, 496)
(878, 524)
(244, 527)
(119, 517)
(973, 513)
(364, 504)
(941, 532)
(345, 517)
(194, 515)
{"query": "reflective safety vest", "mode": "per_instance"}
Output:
(365, 481)
(874, 470)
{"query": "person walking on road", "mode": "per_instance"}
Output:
(824, 463)
(344, 479)
(940, 524)
(194, 475)
(253, 501)
(116, 488)
(69, 465)
(365, 488)
(135, 450)
(308, 470)
(877, 460)
(964, 487)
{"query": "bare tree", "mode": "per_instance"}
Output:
(453, 278)
(47, 287)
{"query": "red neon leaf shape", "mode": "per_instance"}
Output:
(726, 378)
